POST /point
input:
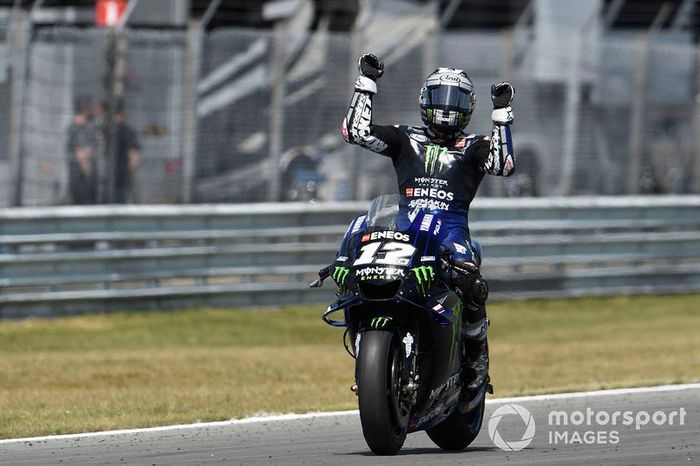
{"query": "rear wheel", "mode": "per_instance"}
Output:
(379, 367)
(458, 430)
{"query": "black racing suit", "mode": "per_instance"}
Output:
(442, 175)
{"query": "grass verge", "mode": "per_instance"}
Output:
(127, 370)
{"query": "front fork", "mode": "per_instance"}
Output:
(410, 377)
(408, 347)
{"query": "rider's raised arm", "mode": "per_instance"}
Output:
(495, 155)
(357, 125)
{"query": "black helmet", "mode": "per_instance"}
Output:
(447, 100)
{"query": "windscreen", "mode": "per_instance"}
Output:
(383, 213)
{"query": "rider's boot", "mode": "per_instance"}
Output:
(476, 349)
(474, 291)
(475, 376)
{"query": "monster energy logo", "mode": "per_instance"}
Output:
(433, 156)
(425, 275)
(380, 322)
(340, 274)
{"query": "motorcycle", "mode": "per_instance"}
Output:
(403, 327)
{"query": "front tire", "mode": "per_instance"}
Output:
(459, 430)
(378, 373)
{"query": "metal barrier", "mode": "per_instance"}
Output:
(87, 259)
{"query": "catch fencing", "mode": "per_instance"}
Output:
(244, 115)
(65, 260)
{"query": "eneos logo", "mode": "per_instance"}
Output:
(430, 192)
(525, 415)
(395, 235)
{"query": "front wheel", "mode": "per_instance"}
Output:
(458, 430)
(378, 372)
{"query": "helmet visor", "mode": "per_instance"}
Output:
(450, 96)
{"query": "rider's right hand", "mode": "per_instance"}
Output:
(370, 66)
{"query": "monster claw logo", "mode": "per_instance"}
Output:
(425, 274)
(380, 322)
(339, 275)
(433, 157)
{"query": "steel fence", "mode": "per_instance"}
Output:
(86, 259)
(232, 114)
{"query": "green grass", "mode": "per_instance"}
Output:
(126, 370)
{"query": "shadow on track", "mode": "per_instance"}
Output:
(423, 451)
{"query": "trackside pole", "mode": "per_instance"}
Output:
(193, 55)
(20, 29)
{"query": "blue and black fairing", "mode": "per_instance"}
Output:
(349, 245)
(390, 277)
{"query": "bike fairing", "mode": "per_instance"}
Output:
(374, 249)
(386, 248)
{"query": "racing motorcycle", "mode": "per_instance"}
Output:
(403, 327)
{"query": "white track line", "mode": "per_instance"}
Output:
(610, 392)
(290, 417)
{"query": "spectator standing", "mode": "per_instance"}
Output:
(127, 157)
(82, 146)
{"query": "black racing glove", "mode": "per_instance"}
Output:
(501, 95)
(370, 66)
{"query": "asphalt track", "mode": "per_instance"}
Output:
(336, 438)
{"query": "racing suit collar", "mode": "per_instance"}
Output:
(441, 137)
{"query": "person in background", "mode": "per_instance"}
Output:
(82, 145)
(128, 157)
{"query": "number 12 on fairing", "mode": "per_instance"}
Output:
(385, 253)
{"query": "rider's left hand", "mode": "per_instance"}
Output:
(370, 66)
(501, 95)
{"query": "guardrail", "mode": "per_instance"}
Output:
(86, 259)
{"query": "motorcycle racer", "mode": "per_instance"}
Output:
(439, 167)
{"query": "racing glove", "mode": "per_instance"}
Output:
(502, 96)
(370, 66)
(371, 69)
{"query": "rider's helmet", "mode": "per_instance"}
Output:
(447, 100)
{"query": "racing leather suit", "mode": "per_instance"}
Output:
(440, 174)
(434, 173)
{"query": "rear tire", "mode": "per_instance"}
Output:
(378, 372)
(459, 430)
